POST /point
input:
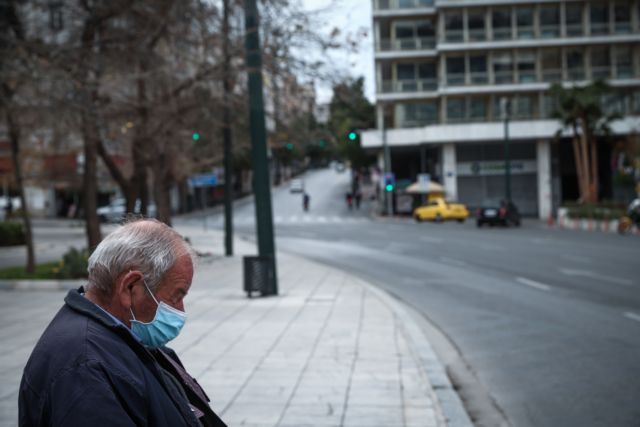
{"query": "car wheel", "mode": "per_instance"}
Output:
(438, 218)
(417, 218)
(517, 223)
(461, 220)
(478, 224)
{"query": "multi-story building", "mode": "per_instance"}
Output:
(444, 66)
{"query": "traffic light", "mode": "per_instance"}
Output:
(353, 135)
(195, 136)
(323, 143)
(289, 146)
(389, 182)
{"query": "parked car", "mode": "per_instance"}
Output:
(439, 210)
(494, 212)
(296, 186)
(115, 211)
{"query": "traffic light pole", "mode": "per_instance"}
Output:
(387, 166)
(262, 188)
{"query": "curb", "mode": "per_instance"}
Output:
(451, 407)
(40, 285)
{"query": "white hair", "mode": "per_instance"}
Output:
(147, 245)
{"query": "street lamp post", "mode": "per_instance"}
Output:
(261, 181)
(505, 106)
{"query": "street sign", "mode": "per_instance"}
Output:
(203, 180)
(423, 181)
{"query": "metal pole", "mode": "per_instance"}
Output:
(262, 188)
(226, 134)
(387, 167)
(507, 164)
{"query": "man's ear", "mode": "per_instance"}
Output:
(126, 286)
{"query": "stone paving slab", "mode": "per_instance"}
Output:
(328, 351)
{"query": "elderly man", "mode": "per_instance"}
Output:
(102, 361)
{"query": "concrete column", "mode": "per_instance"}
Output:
(543, 150)
(449, 171)
(379, 116)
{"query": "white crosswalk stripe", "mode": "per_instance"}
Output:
(296, 220)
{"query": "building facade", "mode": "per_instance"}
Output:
(445, 67)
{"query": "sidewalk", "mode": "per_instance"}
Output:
(330, 350)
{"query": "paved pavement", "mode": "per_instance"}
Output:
(330, 350)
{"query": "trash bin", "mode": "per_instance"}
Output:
(258, 275)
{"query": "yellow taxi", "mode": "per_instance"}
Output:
(438, 209)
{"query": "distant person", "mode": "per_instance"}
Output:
(358, 198)
(102, 360)
(349, 198)
(305, 201)
(9, 207)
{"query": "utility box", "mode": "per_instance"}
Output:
(259, 275)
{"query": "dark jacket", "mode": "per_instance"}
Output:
(88, 370)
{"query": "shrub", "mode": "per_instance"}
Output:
(606, 212)
(11, 233)
(73, 265)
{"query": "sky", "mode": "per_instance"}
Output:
(351, 16)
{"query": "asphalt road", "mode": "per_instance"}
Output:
(549, 320)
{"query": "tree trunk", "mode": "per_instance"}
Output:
(586, 170)
(90, 182)
(577, 157)
(14, 137)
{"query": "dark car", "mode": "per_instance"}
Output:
(498, 213)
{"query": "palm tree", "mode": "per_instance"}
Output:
(581, 109)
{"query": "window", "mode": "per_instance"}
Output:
(573, 19)
(456, 110)
(624, 62)
(414, 35)
(524, 107)
(599, 18)
(419, 114)
(478, 69)
(55, 16)
(455, 70)
(575, 64)
(526, 64)
(622, 17)
(501, 23)
(502, 68)
(524, 19)
(477, 31)
(406, 72)
(551, 61)
(427, 76)
(549, 21)
(478, 108)
(416, 77)
(453, 27)
(600, 63)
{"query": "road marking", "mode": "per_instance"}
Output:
(591, 274)
(632, 316)
(293, 218)
(533, 284)
(322, 219)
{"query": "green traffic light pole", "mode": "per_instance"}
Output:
(262, 189)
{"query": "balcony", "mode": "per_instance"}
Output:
(575, 74)
(624, 71)
(402, 4)
(549, 31)
(528, 76)
(574, 30)
(455, 79)
(423, 85)
(600, 72)
(417, 43)
(479, 78)
(503, 77)
(552, 75)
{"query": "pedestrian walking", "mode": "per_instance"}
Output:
(349, 198)
(102, 360)
(358, 198)
(305, 201)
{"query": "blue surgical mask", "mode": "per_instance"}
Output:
(164, 327)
